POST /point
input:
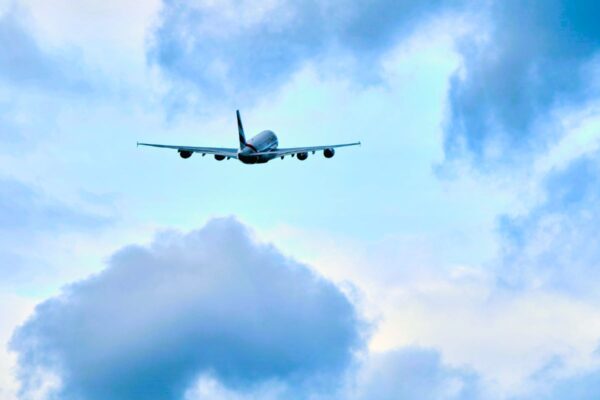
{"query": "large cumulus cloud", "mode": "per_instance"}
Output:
(211, 301)
(538, 55)
(241, 48)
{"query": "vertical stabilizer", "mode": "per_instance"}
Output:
(241, 130)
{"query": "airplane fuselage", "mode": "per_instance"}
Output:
(262, 148)
(263, 142)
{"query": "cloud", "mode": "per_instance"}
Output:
(555, 245)
(538, 56)
(241, 49)
(25, 64)
(585, 386)
(28, 219)
(210, 301)
(24, 209)
(414, 373)
(7, 126)
(553, 383)
(22, 61)
(408, 373)
(34, 79)
(26, 215)
(521, 62)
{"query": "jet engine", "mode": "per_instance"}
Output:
(185, 153)
(302, 156)
(328, 153)
(219, 157)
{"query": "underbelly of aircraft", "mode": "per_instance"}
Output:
(250, 159)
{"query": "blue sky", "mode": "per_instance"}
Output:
(452, 255)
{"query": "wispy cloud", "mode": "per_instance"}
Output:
(26, 64)
(555, 244)
(26, 215)
(24, 209)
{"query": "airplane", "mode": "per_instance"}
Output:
(260, 149)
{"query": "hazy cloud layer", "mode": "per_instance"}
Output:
(243, 48)
(24, 209)
(538, 54)
(25, 215)
(211, 301)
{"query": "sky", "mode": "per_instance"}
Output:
(454, 255)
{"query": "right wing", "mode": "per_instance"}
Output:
(296, 150)
(220, 151)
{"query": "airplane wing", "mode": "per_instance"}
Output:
(296, 150)
(220, 151)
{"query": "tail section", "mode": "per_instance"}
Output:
(241, 130)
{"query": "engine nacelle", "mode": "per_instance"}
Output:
(302, 156)
(219, 157)
(328, 153)
(185, 153)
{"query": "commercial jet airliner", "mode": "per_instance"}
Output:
(260, 149)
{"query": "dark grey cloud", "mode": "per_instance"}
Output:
(539, 55)
(239, 52)
(415, 374)
(557, 243)
(211, 301)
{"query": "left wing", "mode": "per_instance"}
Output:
(296, 150)
(219, 151)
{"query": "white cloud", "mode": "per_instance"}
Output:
(582, 137)
(105, 40)
(90, 23)
(13, 311)
(420, 299)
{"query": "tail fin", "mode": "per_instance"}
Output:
(241, 130)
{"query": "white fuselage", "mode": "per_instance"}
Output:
(263, 142)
